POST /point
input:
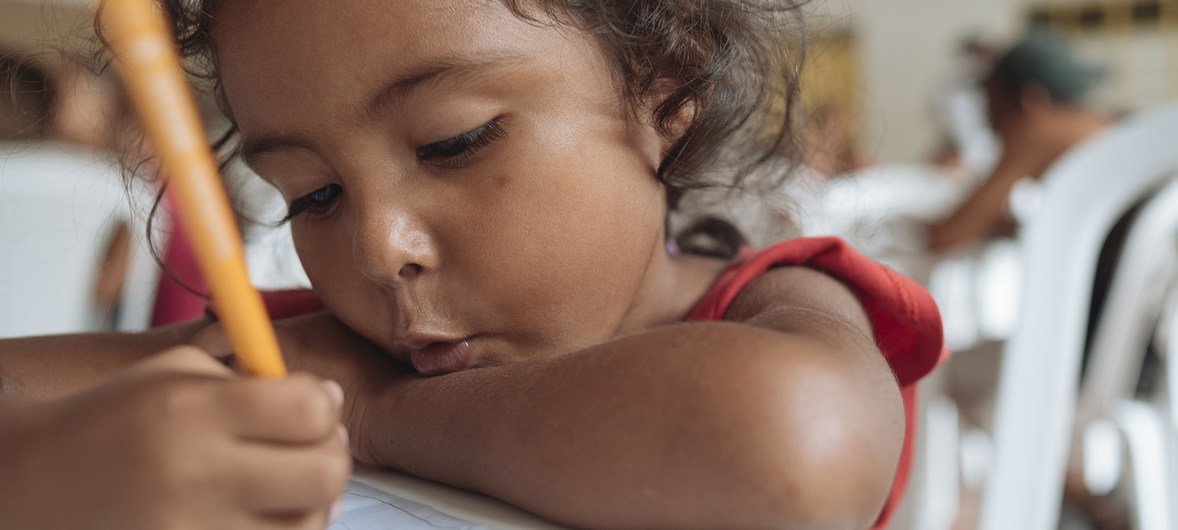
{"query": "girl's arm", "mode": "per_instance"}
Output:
(785, 416)
(59, 365)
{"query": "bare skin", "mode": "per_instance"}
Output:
(175, 441)
(492, 230)
(406, 248)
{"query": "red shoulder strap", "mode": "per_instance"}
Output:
(903, 315)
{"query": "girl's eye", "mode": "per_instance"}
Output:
(316, 203)
(457, 151)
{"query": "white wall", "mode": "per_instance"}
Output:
(36, 26)
(906, 48)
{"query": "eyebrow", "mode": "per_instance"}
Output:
(251, 148)
(393, 93)
(438, 69)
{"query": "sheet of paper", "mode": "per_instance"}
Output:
(368, 508)
(381, 498)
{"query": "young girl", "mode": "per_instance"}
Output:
(478, 191)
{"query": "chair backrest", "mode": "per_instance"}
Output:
(1167, 340)
(1132, 308)
(141, 286)
(1084, 195)
(1133, 305)
(58, 206)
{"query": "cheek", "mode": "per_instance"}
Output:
(581, 202)
(326, 254)
(326, 258)
(572, 231)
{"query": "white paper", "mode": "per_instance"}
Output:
(368, 508)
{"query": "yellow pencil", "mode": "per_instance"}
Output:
(150, 66)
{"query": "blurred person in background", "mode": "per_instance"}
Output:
(831, 131)
(968, 140)
(1037, 99)
(1037, 96)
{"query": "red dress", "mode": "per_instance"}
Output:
(904, 318)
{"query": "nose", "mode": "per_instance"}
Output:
(391, 245)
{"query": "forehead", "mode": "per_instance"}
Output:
(358, 28)
(317, 55)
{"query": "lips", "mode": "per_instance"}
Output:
(442, 357)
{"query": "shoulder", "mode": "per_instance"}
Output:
(822, 287)
(801, 300)
(818, 329)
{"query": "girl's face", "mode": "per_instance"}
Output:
(465, 187)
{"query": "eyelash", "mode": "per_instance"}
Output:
(449, 153)
(456, 152)
(315, 203)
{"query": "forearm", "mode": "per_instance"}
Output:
(20, 468)
(58, 365)
(984, 213)
(685, 426)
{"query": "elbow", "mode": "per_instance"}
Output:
(832, 488)
(828, 449)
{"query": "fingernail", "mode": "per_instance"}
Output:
(336, 391)
(337, 509)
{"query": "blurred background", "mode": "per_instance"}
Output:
(1016, 156)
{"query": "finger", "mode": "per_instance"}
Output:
(335, 512)
(317, 520)
(188, 359)
(312, 520)
(283, 479)
(297, 410)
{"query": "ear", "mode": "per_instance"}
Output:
(679, 123)
(679, 126)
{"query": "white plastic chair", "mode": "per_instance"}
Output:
(1135, 302)
(58, 205)
(1084, 195)
(1167, 341)
(1148, 259)
(143, 273)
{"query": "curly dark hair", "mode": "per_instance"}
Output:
(734, 65)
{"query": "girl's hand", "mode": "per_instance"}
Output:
(176, 441)
(320, 344)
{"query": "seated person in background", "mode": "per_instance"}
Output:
(1036, 95)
